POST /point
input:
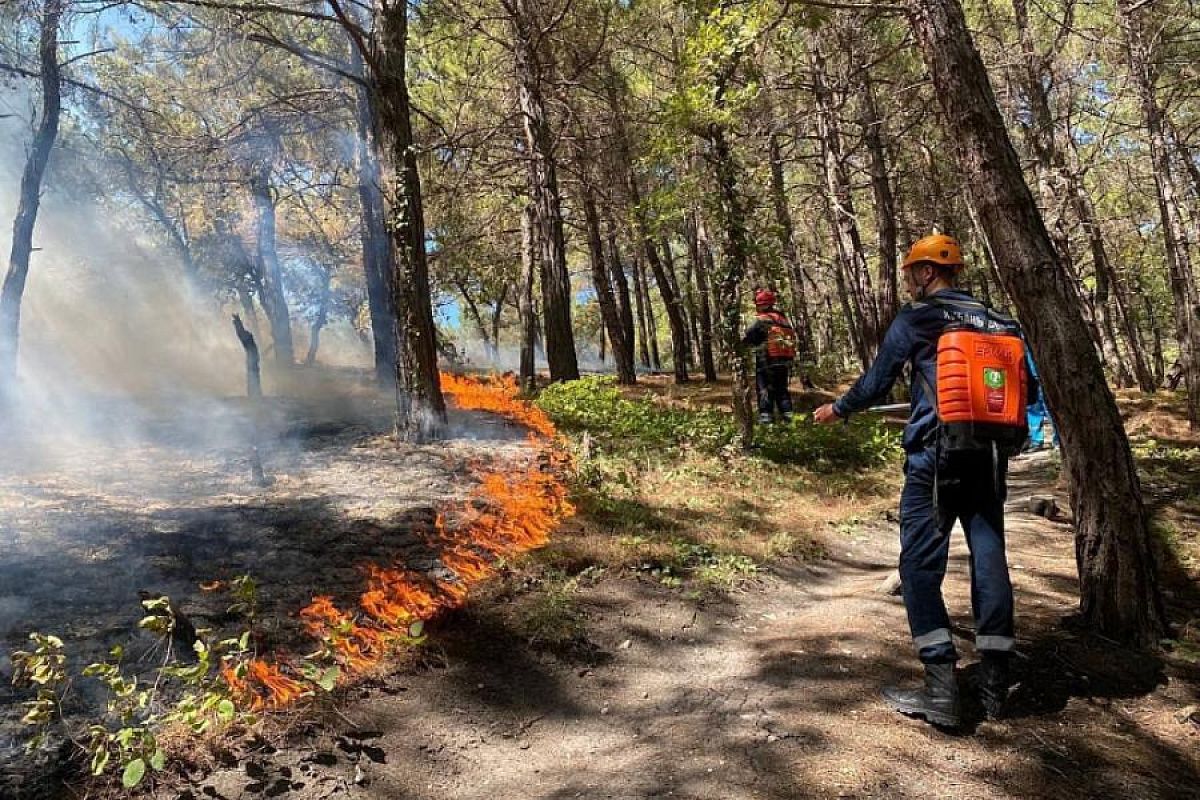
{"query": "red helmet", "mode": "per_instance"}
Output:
(764, 298)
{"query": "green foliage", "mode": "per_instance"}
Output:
(595, 404)
(125, 737)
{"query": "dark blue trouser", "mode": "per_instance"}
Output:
(967, 490)
(772, 379)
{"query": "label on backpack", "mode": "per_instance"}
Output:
(993, 379)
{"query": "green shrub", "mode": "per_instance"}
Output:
(595, 404)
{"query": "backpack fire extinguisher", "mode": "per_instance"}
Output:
(781, 337)
(982, 381)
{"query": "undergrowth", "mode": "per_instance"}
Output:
(596, 405)
(664, 492)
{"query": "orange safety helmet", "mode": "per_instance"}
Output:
(938, 249)
(764, 298)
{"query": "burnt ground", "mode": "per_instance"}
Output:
(159, 498)
(769, 691)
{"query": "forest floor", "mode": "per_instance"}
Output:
(712, 627)
(687, 636)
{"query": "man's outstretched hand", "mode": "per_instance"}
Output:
(825, 415)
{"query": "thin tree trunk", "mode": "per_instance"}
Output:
(609, 313)
(254, 393)
(841, 204)
(31, 192)
(314, 331)
(529, 258)
(704, 304)
(378, 256)
(737, 256)
(1054, 183)
(639, 300)
(1119, 593)
(642, 283)
(886, 287)
(1140, 50)
(473, 312)
(787, 245)
(497, 311)
(543, 169)
(273, 299)
(621, 283)
(420, 407)
(682, 302)
(671, 301)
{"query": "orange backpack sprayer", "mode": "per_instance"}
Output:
(781, 336)
(981, 383)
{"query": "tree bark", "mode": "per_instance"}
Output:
(621, 283)
(646, 308)
(1119, 593)
(887, 289)
(1139, 47)
(529, 258)
(841, 203)
(273, 299)
(700, 265)
(314, 331)
(672, 303)
(543, 173)
(420, 407)
(609, 313)
(378, 255)
(787, 246)
(31, 194)
(737, 256)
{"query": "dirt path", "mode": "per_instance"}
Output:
(768, 693)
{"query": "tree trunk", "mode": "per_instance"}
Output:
(378, 256)
(1140, 49)
(543, 173)
(887, 289)
(787, 246)
(529, 258)
(841, 203)
(497, 312)
(1054, 180)
(1119, 593)
(619, 280)
(642, 285)
(671, 301)
(609, 313)
(314, 331)
(273, 299)
(31, 193)
(420, 407)
(700, 265)
(685, 300)
(737, 256)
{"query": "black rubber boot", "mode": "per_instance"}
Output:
(937, 701)
(993, 683)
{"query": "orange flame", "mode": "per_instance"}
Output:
(507, 514)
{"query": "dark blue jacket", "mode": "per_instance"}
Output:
(912, 338)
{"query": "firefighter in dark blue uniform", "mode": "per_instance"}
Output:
(940, 488)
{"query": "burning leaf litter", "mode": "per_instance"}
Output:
(506, 515)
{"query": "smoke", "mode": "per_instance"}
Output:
(115, 344)
(106, 315)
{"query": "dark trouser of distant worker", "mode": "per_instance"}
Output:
(773, 394)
